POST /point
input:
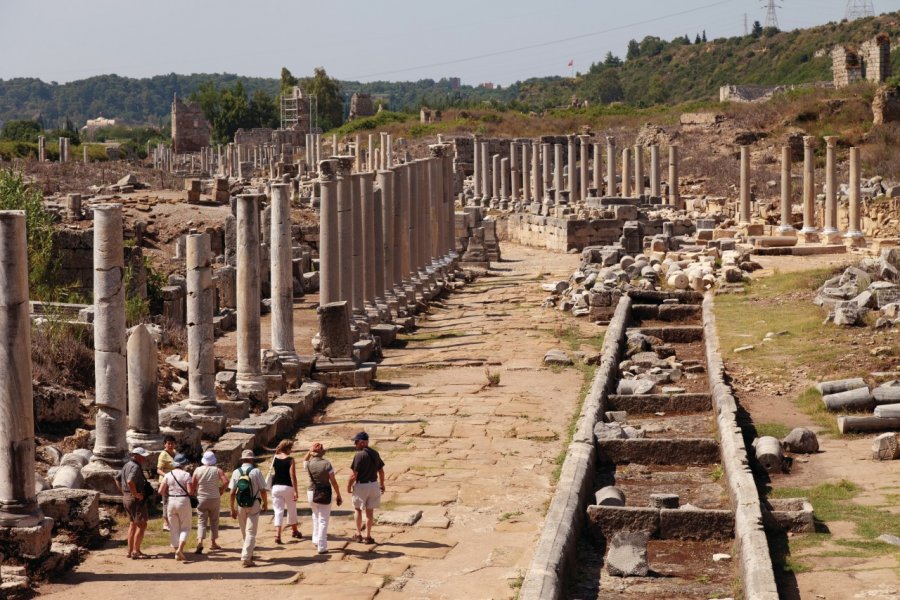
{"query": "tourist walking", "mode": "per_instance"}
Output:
(207, 484)
(136, 492)
(284, 489)
(366, 484)
(248, 490)
(164, 464)
(176, 488)
(321, 483)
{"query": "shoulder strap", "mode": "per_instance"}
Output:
(172, 473)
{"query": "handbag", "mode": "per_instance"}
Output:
(270, 475)
(195, 502)
(321, 493)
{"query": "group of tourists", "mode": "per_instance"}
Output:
(184, 490)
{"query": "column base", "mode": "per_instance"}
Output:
(211, 423)
(854, 239)
(832, 237)
(29, 541)
(251, 385)
(786, 230)
(148, 441)
(808, 236)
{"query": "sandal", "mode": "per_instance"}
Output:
(139, 556)
(278, 541)
(358, 538)
(369, 540)
(297, 535)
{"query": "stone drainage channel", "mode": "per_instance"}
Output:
(656, 484)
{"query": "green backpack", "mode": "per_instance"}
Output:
(245, 496)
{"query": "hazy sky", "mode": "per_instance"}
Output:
(477, 40)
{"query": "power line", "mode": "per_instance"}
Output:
(857, 9)
(541, 45)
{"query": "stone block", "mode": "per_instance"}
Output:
(74, 510)
(609, 520)
(228, 453)
(29, 543)
(699, 525)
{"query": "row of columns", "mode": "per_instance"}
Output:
(809, 231)
(534, 183)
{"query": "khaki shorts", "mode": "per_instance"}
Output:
(136, 509)
(366, 495)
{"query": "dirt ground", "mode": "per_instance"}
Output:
(477, 460)
(830, 571)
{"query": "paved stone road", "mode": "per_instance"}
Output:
(477, 460)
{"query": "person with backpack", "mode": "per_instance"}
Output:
(207, 484)
(248, 490)
(366, 485)
(136, 492)
(321, 483)
(176, 489)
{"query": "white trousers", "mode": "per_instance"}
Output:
(283, 497)
(321, 513)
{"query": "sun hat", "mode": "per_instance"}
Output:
(140, 452)
(209, 458)
(248, 455)
(180, 460)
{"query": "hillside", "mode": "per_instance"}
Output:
(657, 71)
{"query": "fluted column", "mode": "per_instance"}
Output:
(329, 235)
(854, 234)
(626, 172)
(744, 217)
(610, 166)
(809, 191)
(830, 230)
(674, 193)
(18, 503)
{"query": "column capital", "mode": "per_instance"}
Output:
(610, 140)
(831, 141)
(809, 141)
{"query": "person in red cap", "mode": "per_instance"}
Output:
(366, 484)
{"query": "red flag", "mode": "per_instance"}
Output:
(571, 62)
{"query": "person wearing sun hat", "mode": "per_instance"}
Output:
(207, 484)
(366, 484)
(133, 485)
(248, 515)
(176, 487)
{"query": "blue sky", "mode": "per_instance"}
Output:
(477, 40)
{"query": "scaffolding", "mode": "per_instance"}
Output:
(299, 111)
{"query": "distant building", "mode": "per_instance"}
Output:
(455, 83)
(872, 62)
(427, 115)
(88, 131)
(361, 106)
(295, 111)
(190, 129)
(487, 85)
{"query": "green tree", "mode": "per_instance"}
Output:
(634, 50)
(697, 39)
(16, 194)
(757, 29)
(21, 131)
(327, 91)
(612, 60)
(287, 80)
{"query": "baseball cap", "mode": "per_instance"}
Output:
(140, 452)
(362, 436)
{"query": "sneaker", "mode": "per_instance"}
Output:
(165, 527)
(323, 551)
(248, 563)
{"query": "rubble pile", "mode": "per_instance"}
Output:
(873, 285)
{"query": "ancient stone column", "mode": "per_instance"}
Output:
(386, 248)
(62, 149)
(329, 251)
(571, 168)
(143, 401)
(334, 144)
(545, 182)
(674, 193)
(485, 174)
(401, 184)
(626, 172)
(497, 174)
(42, 149)
(424, 213)
(370, 155)
(585, 166)
(638, 170)
(513, 172)
(557, 173)
(787, 226)
(389, 151)
(744, 217)
(18, 504)
(396, 239)
(654, 171)
(610, 166)
(436, 194)
(335, 337)
(357, 154)
(830, 230)
(357, 266)
(318, 146)
(84, 152)
(526, 173)
(109, 349)
(249, 372)
(504, 178)
(368, 246)
(476, 168)
(809, 192)
(282, 273)
(345, 229)
(854, 235)
(598, 175)
(201, 301)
